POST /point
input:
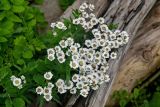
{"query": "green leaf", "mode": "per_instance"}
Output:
(8, 103)
(21, 40)
(13, 17)
(20, 61)
(18, 102)
(155, 101)
(3, 39)
(5, 5)
(18, 9)
(136, 93)
(17, 2)
(2, 15)
(28, 54)
(32, 22)
(39, 79)
(4, 72)
(123, 103)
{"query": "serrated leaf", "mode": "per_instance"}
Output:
(5, 5)
(18, 9)
(28, 54)
(3, 39)
(13, 17)
(18, 102)
(39, 79)
(8, 103)
(17, 2)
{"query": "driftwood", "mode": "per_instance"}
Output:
(128, 15)
(143, 57)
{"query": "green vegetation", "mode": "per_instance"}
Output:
(149, 96)
(64, 4)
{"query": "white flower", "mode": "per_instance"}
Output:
(20, 86)
(79, 85)
(105, 54)
(83, 78)
(61, 59)
(60, 83)
(102, 42)
(81, 20)
(23, 77)
(76, 21)
(107, 79)
(92, 15)
(69, 85)
(86, 87)
(85, 14)
(113, 55)
(75, 78)
(95, 87)
(53, 25)
(50, 51)
(47, 91)
(101, 20)
(112, 36)
(120, 41)
(75, 57)
(48, 97)
(91, 7)
(17, 82)
(61, 90)
(63, 44)
(73, 91)
(81, 63)
(84, 93)
(51, 57)
(94, 21)
(74, 64)
(57, 48)
(95, 31)
(70, 41)
(73, 49)
(88, 43)
(48, 75)
(60, 25)
(104, 28)
(54, 33)
(12, 77)
(39, 90)
(85, 5)
(50, 85)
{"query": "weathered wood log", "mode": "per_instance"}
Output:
(143, 57)
(128, 15)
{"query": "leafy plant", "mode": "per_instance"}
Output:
(64, 4)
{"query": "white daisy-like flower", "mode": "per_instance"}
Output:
(47, 91)
(61, 90)
(57, 48)
(86, 87)
(106, 77)
(39, 90)
(73, 90)
(85, 14)
(97, 35)
(92, 15)
(73, 49)
(84, 93)
(12, 77)
(69, 85)
(104, 28)
(53, 25)
(94, 45)
(119, 41)
(79, 85)
(75, 78)
(113, 55)
(81, 63)
(112, 37)
(74, 64)
(54, 33)
(63, 44)
(91, 7)
(81, 20)
(60, 25)
(23, 77)
(48, 97)
(51, 57)
(48, 75)
(83, 78)
(88, 43)
(102, 42)
(101, 20)
(50, 85)
(17, 82)
(75, 57)
(76, 21)
(20, 86)
(61, 59)
(105, 54)
(95, 87)
(50, 51)
(60, 83)
(94, 21)
(85, 5)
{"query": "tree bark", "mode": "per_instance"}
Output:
(143, 57)
(128, 15)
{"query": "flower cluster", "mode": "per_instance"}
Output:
(18, 82)
(90, 60)
(46, 91)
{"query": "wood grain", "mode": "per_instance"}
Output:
(143, 57)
